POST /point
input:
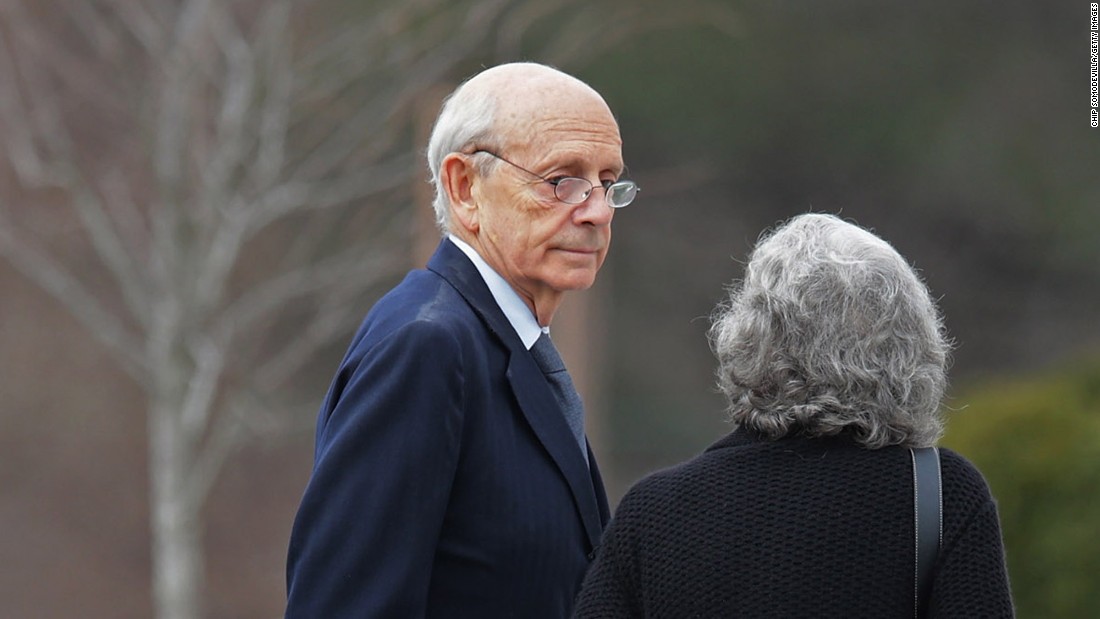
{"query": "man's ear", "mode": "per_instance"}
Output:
(459, 175)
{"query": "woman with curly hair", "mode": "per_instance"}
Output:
(833, 356)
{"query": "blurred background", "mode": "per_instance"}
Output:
(199, 200)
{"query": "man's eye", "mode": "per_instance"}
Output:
(554, 180)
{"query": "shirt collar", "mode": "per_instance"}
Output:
(515, 310)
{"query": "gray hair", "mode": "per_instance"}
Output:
(467, 119)
(832, 331)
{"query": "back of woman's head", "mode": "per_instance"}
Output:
(831, 331)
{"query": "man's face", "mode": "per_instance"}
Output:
(540, 245)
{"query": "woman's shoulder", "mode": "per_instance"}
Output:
(670, 489)
(957, 470)
(965, 490)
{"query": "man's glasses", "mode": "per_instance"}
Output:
(574, 190)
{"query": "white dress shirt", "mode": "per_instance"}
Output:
(515, 310)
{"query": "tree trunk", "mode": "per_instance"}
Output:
(178, 572)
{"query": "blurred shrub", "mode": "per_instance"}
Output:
(1038, 443)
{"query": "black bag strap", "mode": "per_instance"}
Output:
(928, 514)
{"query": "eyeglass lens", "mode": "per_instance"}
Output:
(621, 194)
(576, 190)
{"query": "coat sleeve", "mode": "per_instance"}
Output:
(971, 578)
(388, 443)
(971, 575)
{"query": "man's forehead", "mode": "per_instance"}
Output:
(566, 115)
(541, 111)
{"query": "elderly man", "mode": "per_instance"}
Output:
(452, 477)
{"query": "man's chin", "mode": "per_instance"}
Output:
(577, 279)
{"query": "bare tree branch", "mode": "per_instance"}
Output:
(337, 316)
(40, 267)
(176, 91)
(292, 197)
(237, 95)
(217, 261)
(19, 142)
(596, 34)
(520, 21)
(274, 50)
(123, 210)
(209, 359)
(164, 256)
(345, 57)
(141, 24)
(352, 268)
(426, 55)
(225, 437)
(71, 69)
(95, 29)
(123, 266)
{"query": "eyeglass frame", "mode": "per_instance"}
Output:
(556, 182)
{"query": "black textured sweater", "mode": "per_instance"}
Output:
(795, 528)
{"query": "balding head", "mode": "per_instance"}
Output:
(501, 106)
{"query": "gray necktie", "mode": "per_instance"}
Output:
(546, 355)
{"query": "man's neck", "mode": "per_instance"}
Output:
(518, 312)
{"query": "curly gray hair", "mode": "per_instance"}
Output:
(832, 331)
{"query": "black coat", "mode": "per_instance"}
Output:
(795, 528)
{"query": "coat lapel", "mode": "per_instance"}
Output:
(536, 400)
(540, 407)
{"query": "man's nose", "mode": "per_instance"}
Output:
(594, 210)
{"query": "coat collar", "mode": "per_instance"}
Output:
(452, 265)
(517, 312)
(741, 436)
(536, 400)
